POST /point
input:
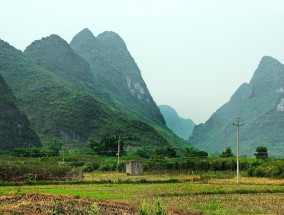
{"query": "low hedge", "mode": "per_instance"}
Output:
(23, 171)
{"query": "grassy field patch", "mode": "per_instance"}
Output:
(213, 196)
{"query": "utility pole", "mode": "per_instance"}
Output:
(19, 126)
(238, 124)
(118, 152)
(63, 148)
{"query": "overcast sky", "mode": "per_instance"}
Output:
(193, 54)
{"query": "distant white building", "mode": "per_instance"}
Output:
(134, 167)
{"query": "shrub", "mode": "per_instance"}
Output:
(21, 171)
(156, 209)
(107, 145)
(95, 209)
(227, 152)
(159, 209)
(272, 169)
(261, 152)
(144, 208)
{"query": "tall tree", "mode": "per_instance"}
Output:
(227, 152)
(261, 152)
(107, 145)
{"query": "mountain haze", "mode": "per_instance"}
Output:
(180, 126)
(259, 104)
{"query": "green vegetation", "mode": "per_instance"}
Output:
(54, 54)
(33, 170)
(107, 145)
(51, 148)
(227, 152)
(169, 185)
(261, 152)
(116, 70)
(59, 110)
(273, 169)
(168, 152)
(15, 128)
(86, 101)
(144, 208)
(210, 197)
(156, 209)
(159, 208)
(191, 152)
(205, 167)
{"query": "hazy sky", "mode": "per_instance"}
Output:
(193, 54)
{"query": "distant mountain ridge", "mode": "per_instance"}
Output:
(56, 55)
(115, 69)
(259, 104)
(66, 98)
(180, 126)
(59, 109)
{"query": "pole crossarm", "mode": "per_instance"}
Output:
(238, 124)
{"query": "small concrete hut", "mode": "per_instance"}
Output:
(134, 167)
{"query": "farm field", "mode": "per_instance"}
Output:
(185, 194)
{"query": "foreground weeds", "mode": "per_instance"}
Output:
(49, 204)
(229, 203)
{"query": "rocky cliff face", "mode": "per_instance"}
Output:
(116, 71)
(259, 105)
(180, 126)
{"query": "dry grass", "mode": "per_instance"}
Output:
(230, 203)
(59, 204)
(249, 180)
(115, 176)
(50, 204)
(189, 197)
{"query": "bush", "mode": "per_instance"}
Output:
(159, 209)
(50, 149)
(227, 152)
(144, 208)
(143, 153)
(156, 209)
(95, 209)
(191, 152)
(272, 169)
(168, 152)
(107, 145)
(261, 152)
(21, 171)
(91, 166)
